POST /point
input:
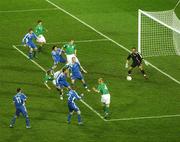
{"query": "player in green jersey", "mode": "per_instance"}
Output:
(39, 31)
(71, 51)
(105, 96)
(48, 77)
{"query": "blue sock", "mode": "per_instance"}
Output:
(79, 118)
(69, 118)
(13, 121)
(27, 121)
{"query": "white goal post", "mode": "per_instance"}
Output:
(158, 33)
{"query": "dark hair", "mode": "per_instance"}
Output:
(64, 69)
(18, 90)
(39, 21)
(30, 29)
(54, 47)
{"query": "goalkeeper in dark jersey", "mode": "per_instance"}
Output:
(136, 62)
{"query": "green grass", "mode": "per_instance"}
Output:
(117, 19)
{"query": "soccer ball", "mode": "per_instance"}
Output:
(129, 78)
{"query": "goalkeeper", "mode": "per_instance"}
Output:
(136, 62)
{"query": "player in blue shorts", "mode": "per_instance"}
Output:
(28, 41)
(57, 56)
(72, 96)
(76, 74)
(61, 81)
(19, 101)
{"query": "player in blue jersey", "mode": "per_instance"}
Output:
(28, 41)
(61, 81)
(57, 56)
(19, 101)
(72, 96)
(76, 74)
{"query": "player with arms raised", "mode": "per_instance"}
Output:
(136, 61)
(19, 101)
(28, 41)
(39, 31)
(105, 96)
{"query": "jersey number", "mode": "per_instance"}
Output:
(18, 99)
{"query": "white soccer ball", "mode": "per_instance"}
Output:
(129, 78)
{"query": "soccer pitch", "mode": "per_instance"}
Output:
(104, 30)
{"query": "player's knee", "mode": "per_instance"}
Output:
(78, 112)
(71, 113)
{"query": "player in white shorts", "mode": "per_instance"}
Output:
(105, 96)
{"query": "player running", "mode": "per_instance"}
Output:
(136, 61)
(105, 96)
(57, 56)
(39, 31)
(71, 51)
(19, 101)
(72, 96)
(28, 41)
(75, 69)
(61, 81)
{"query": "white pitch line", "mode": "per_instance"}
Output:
(28, 58)
(110, 39)
(93, 110)
(76, 41)
(146, 117)
(27, 10)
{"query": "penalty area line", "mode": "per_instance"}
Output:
(76, 41)
(38, 65)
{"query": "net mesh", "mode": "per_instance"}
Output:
(160, 33)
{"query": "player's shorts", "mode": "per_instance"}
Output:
(72, 107)
(75, 77)
(31, 45)
(105, 99)
(69, 58)
(135, 64)
(41, 39)
(60, 60)
(22, 110)
(62, 84)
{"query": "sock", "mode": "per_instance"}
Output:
(34, 53)
(79, 118)
(143, 72)
(30, 55)
(129, 72)
(85, 85)
(27, 121)
(13, 121)
(106, 109)
(69, 117)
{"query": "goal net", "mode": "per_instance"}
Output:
(158, 33)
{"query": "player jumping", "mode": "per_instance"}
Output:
(105, 96)
(57, 56)
(136, 61)
(75, 69)
(39, 31)
(19, 101)
(71, 51)
(28, 41)
(72, 96)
